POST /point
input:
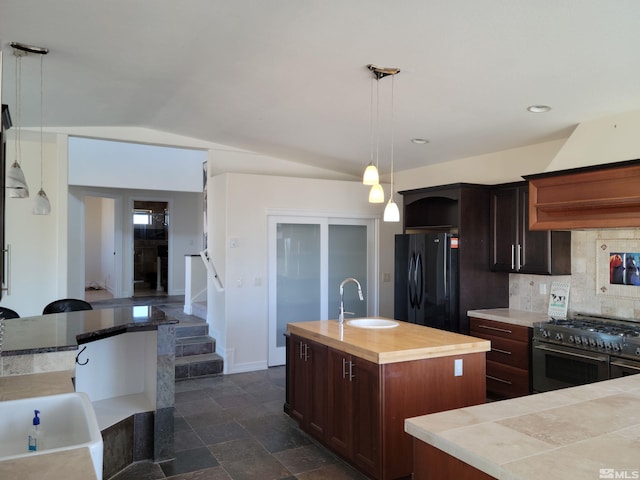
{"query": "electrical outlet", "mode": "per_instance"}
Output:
(457, 367)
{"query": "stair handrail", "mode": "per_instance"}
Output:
(204, 254)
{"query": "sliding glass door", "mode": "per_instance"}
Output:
(308, 259)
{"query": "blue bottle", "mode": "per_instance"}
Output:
(35, 434)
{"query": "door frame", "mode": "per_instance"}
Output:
(277, 355)
(130, 270)
(117, 238)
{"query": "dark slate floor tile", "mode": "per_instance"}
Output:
(304, 459)
(242, 400)
(189, 461)
(263, 467)
(186, 440)
(211, 417)
(180, 424)
(221, 432)
(237, 450)
(215, 473)
(141, 471)
(338, 471)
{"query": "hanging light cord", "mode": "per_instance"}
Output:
(41, 119)
(18, 119)
(377, 121)
(371, 123)
(392, 133)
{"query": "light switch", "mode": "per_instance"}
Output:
(457, 367)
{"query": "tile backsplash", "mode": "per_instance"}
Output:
(531, 292)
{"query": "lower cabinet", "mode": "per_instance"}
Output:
(357, 408)
(509, 361)
(308, 386)
(353, 427)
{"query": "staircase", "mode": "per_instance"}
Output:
(195, 351)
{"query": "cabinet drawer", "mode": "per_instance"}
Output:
(507, 381)
(509, 352)
(499, 329)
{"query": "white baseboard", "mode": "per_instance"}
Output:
(231, 367)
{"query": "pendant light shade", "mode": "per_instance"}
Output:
(391, 211)
(16, 183)
(376, 194)
(42, 206)
(371, 175)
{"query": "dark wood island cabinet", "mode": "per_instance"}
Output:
(352, 388)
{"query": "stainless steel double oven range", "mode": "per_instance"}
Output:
(583, 349)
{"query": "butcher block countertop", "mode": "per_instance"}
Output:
(509, 315)
(588, 432)
(403, 343)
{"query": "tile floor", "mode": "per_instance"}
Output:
(232, 427)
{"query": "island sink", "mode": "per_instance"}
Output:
(372, 323)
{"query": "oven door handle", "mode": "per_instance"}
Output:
(598, 358)
(622, 363)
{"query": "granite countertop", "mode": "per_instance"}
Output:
(509, 315)
(559, 435)
(405, 342)
(58, 332)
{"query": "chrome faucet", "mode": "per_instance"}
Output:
(342, 312)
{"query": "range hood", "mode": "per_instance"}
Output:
(601, 196)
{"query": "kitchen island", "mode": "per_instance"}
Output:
(586, 432)
(351, 388)
(124, 361)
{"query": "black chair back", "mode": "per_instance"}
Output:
(66, 305)
(8, 313)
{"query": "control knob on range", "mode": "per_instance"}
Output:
(570, 338)
(600, 343)
(545, 333)
(585, 340)
(559, 336)
(616, 347)
(578, 341)
(638, 351)
(592, 342)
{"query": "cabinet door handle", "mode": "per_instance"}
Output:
(519, 258)
(498, 379)
(306, 352)
(300, 352)
(501, 351)
(344, 368)
(513, 257)
(351, 374)
(503, 330)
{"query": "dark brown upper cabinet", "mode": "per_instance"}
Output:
(517, 249)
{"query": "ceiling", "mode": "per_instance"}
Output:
(288, 78)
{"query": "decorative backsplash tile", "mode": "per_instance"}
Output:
(526, 293)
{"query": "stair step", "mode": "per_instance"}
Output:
(195, 366)
(184, 330)
(203, 344)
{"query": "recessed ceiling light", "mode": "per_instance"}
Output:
(419, 141)
(539, 108)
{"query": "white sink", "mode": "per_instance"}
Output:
(67, 420)
(372, 323)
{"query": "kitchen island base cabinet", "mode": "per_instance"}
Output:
(433, 464)
(368, 402)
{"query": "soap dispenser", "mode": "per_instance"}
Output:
(36, 440)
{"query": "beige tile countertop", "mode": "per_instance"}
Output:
(509, 315)
(403, 343)
(35, 385)
(70, 464)
(586, 432)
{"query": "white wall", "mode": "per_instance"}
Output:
(93, 241)
(238, 207)
(185, 232)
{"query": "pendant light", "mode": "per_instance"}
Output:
(371, 176)
(42, 205)
(16, 181)
(391, 212)
(376, 194)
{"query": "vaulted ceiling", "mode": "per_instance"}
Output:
(288, 78)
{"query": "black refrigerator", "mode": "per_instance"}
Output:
(426, 280)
